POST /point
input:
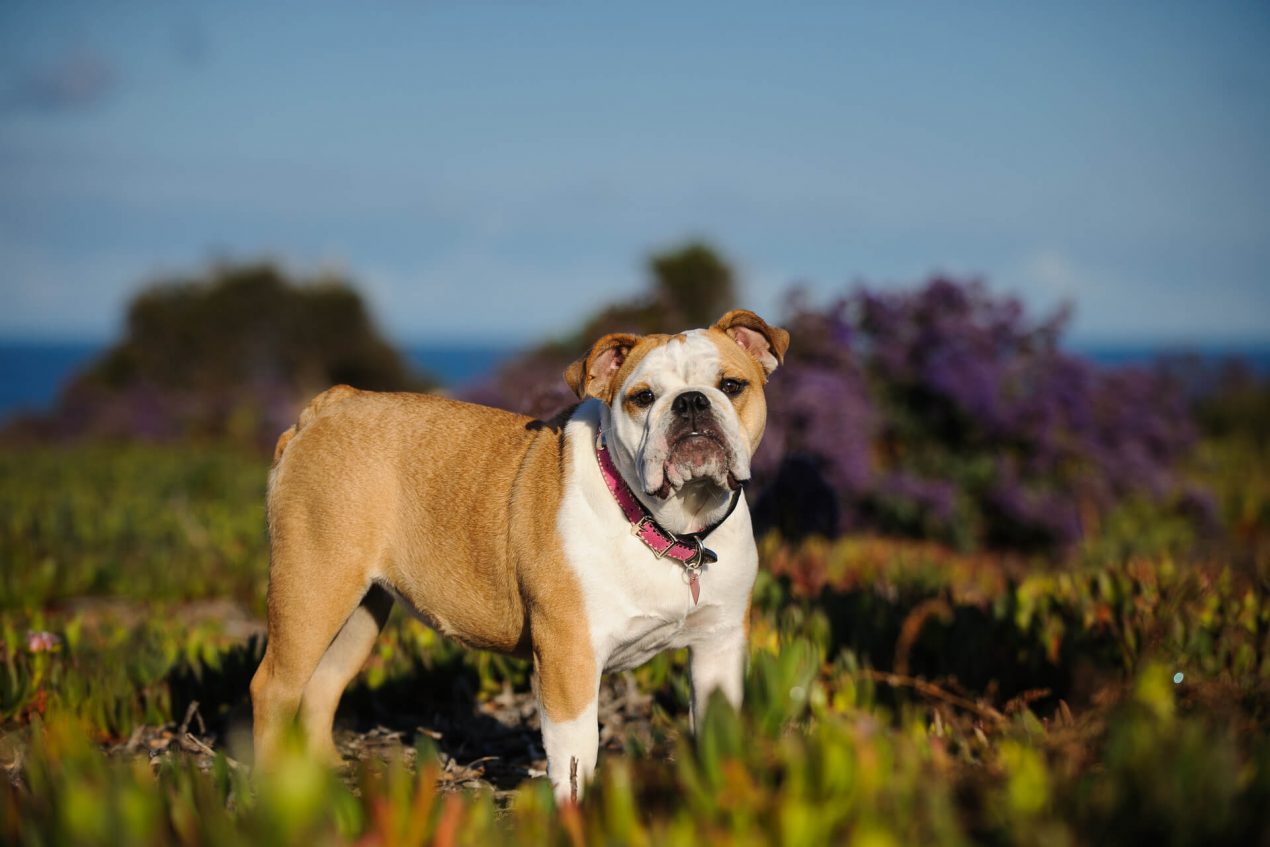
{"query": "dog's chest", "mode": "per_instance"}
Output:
(647, 610)
(637, 605)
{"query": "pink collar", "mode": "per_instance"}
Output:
(685, 549)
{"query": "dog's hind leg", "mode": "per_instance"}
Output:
(339, 664)
(306, 614)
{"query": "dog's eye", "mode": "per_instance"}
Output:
(643, 398)
(732, 387)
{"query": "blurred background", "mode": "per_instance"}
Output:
(1017, 467)
(487, 175)
(1031, 237)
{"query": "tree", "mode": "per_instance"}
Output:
(694, 283)
(231, 353)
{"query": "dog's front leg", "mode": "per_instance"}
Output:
(717, 664)
(568, 688)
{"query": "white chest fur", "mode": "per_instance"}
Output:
(637, 605)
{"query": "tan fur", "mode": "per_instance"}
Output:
(451, 506)
(751, 405)
(595, 375)
(316, 405)
(739, 321)
(283, 441)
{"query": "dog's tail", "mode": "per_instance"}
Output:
(311, 411)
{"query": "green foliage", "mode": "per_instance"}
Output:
(690, 285)
(898, 693)
(241, 323)
(694, 282)
(141, 522)
(1025, 627)
(1233, 400)
(117, 674)
(1168, 779)
(74, 795)
(828, 775)
(1237, 471)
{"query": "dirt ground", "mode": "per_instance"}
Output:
(495, 745)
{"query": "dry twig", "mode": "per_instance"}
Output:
(203, 748)
(930, 689)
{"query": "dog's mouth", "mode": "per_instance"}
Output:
(697, 457)
(698, 433)
(697, 450)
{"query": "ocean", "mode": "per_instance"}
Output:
(32, 372)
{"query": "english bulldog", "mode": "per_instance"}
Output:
(590, 543)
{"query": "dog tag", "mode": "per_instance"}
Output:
(695, 586)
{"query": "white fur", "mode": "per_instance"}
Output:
(568, 741)
(719, 665)
(637, 605)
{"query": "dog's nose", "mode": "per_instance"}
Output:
(690, 404)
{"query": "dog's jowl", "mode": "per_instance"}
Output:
(591, 543)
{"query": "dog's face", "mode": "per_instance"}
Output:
(686, 410)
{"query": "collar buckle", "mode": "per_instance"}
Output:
(639, 526)
(703, 556)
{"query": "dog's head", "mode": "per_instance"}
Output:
(687, 411)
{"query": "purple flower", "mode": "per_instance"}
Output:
(976, 418)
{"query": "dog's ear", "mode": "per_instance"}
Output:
(593, 375)
(767, 344)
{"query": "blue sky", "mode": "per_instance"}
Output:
(489, 171)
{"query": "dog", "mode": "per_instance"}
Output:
(590, 543)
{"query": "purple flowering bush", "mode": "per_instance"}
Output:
(945, 412)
